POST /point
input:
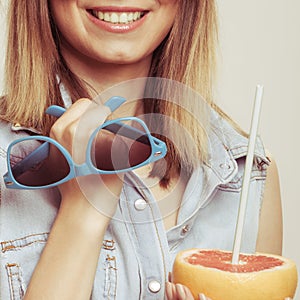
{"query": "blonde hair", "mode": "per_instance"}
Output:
(188, 56)
(32, 64)
(33, 61)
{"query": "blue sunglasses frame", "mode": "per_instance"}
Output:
(158, 149)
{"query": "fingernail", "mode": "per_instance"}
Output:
(168, 289)
(202, 297)
(180, 290)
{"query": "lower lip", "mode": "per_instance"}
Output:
(118, 28)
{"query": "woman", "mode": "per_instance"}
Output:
(55, 244)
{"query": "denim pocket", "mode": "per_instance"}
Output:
(18, 244)
(18, 261)
(110, 267)
(15, 281)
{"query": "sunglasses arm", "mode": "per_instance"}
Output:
(128, 131)
(113, 103)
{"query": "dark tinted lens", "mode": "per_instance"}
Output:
(37, 163)
(120, 146)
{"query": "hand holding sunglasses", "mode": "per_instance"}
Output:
(116, 146)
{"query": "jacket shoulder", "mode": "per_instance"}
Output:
(8, 134)
(234, 140)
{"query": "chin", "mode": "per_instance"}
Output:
(125, 59)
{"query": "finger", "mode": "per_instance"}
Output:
(188, 293)
(171, 291)
(183, 293)
(288, 298)
(174, 292)
(88, 112)
(180, 291)
(168, 291)
(96, 113)
(85, 105)
(75, 126)
(64, 128)
(203, 297)
(73, 113)
(93, 117)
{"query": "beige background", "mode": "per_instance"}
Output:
(260, 44)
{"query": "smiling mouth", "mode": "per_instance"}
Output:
(117, 17)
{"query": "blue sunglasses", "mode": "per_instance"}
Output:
(116, 146)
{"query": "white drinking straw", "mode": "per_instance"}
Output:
(247, 175)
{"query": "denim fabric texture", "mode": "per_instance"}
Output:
(137, 250)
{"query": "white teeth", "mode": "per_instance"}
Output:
(130, 17)
(136, 15)
(116, 17)
(100, 15)
(106, 17)
(123, 18)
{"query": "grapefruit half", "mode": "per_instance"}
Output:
(258, 276)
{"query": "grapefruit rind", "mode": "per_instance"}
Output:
(271, 284)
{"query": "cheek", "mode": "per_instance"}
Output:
(164, 25)
(66, 16)
(57, 9)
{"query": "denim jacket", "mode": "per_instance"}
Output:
(137, 252)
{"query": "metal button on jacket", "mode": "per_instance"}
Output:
(140, 204)
(225, 166)
(154, 286)
(185, 229)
